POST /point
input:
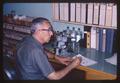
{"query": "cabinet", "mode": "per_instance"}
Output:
(74, 74)
(13, 32)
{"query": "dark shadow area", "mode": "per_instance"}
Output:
(75, 74)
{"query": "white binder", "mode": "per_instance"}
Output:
(72, 12)
(66, 10)
(104, 40)
(114, 16)
(56, 11)
(78, 12)
(83, 13)
(61, 11)
(108, 21)
(90, 13)
(102, 14)
(96, 13)
(93, 37)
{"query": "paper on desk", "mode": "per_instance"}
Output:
(86, 61)
(112, 60)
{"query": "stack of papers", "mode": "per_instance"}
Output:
(112, 60)
(85, 61)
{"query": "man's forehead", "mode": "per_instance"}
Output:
(47, 24)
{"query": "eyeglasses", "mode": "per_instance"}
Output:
(47, 30)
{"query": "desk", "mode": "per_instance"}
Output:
(100, 71)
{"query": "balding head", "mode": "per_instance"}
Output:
(37, 22)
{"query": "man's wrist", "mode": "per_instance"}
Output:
(54, 57)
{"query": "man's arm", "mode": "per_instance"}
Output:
(60, 74)
(49, 54)
(63, 60)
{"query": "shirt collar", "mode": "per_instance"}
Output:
(37, 42)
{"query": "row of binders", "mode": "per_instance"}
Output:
(99, 38)
(102, 14)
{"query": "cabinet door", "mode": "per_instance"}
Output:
(75, 74)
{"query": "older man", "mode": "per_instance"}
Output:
(32, 60)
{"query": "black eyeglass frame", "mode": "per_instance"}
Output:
(47, 30)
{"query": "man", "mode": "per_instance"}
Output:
(32, 60)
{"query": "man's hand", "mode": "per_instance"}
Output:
(64, 60)
(76, 61)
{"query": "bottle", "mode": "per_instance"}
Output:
(73, 39)
(78, 35)
(78, 38)
(68, 31)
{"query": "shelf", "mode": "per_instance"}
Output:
(17, 28)
(18, 22)
(76, 23)
(12, 38)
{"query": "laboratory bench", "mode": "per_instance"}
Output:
(102, 70)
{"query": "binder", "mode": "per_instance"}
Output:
(66, 14)
(115, 42)
(90, 13)
(104, 40)
(93, 37)
(56, 11)
(108, 21)
(88, 39)
(97, 38)
(72, 12)
(102, 14)
(114, 16)
(96, 13)
(100, 38)
(83, 13)
(78, 12)
(109, 40)
(61, 11)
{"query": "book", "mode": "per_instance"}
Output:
(100, 39)
(97, 38)
(90, 13)
(114, 16)
(115, 42)
(66, 14)
(104, 40)
(56, 11)
(88, 39)
(108, 21)
(102, 14)
(72, 12)
(83, 13)
(93, 37)
(96, 13)
(78, 12)
(61, 11)
(85, 42)
(109, 40)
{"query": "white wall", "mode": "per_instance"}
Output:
(37, 10)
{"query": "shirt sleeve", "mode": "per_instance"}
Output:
(42, 62)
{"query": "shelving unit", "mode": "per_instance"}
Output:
(98, 19)
(100, 15)
(76, 23)
(13, 32)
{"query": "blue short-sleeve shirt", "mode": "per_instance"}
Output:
(32, 61)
